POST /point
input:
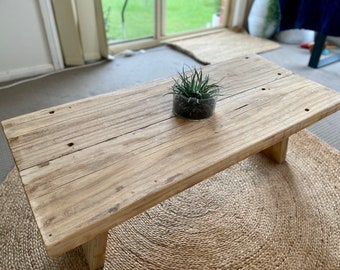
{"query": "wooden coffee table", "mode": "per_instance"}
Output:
(89, 165)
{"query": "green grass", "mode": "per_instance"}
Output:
(189, 15)
(139, 17)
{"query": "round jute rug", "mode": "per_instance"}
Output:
(254, 215)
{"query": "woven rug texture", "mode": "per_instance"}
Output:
(222, 45)
(255, 215)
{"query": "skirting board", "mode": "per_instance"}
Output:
(25, 72)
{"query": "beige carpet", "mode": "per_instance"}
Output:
(222, 45)
(254, 215)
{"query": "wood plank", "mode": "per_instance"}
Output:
(233, 72)
(94, 251)
(52, 126)
(277, 152)
(222, 45)
(96, 157)
(31, 134)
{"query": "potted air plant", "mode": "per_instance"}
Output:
(194, 97)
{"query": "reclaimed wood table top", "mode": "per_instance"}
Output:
(91, 164)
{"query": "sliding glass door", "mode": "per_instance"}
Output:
(187, 16)
(127, 20)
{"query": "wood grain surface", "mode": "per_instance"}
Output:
(89, 165)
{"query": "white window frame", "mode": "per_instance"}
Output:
(159, 31)
(235, 14)
(51, 34)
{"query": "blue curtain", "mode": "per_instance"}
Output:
(319, 15)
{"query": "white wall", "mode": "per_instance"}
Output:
(24, 49)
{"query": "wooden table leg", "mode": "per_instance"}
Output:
(278, 151)
(95, 251)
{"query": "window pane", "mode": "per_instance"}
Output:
(128, 19)
(183, 16)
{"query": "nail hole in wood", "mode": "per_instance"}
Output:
(51, 112)
(279, 73)
(50, 235)
(70, 144)
(246, 57)
(307, 110)
(263, 88)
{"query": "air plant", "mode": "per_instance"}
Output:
(194, 86)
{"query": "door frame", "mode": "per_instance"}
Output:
(51, 34)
